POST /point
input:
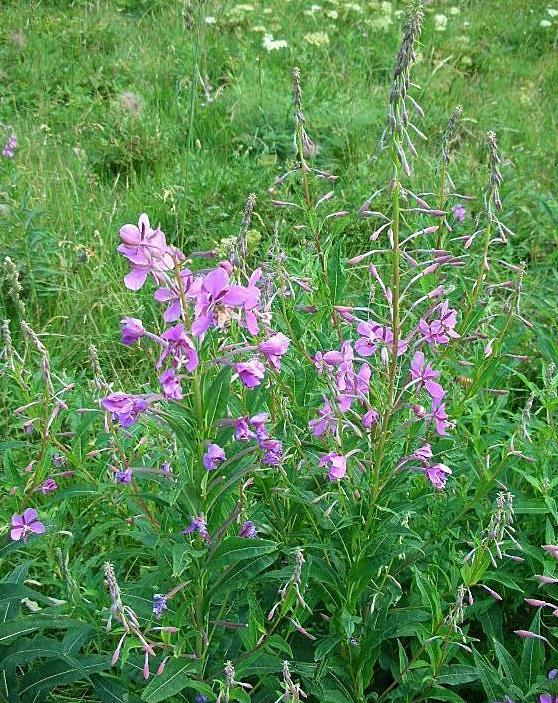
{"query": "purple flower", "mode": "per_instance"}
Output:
(210, 309)
(172, 296)
(274, 348)
(147, 251)
(441, 330)
(248, 530)
(273, 451)
(170, 383)
(49, 485)
(9, 147)
(438, 475)
(28, 427)
(327, 422)
(247, 298)
(459, 212)
(370, 418)
(337, 465)
(123, 476)
(214, 456)
(258, 422)
(26, 524)
(200, 698)
(425, 375)
(132, 330)
(372, 335)
(180, 348)
(250, 372)
(440, 417)
(166, 469)
(125, 408)
(199, 525)
(159, 604)
(59, 460)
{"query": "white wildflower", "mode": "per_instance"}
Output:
(440, 23)
(271, 44)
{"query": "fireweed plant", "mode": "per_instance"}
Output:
(315, 495)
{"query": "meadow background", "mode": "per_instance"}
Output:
(180, 110)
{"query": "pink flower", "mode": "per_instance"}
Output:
(132, 330)
(425, 375)
(441, 330)
(125, 408)
(250, 372)
(438, 475)
(49, 485)
(180, 348)
(273, 451)
(147, 251)
(214, 456)
(172, 296)
(170, 383)
(326, 422)
(459, 212)
(247, 298)
(373, 334)
(211, 307)
(370, 418)
(274, 348)
(440, 417)
(26, 524)
(337, 465)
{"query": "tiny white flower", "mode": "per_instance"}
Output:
(454, 10)
(210, 20)
(546, 23)
(271, 44)
(552, 12)
(440, 23)
(332, 14)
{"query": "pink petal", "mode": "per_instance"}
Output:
(37, 527)
(17, 520)
(16, 533)
(135, 279)
(29, 515)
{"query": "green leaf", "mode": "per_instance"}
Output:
(456, 674)
(10, 592)
(217, 396)
(235, 549)
(532, 657)
(509, 665)
(17, 576)
(62, 672)
(109, 690)
(12, 629)
(172, 680)
(335, 272)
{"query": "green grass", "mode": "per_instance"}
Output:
(87, 163)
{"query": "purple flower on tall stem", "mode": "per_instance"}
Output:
(248, 530)
(250, 372)
(9, 147)
(132, 330)
(211, 307)
(172, 296)
(441, 330)
(423, 372)
(247, 298)
(214, 456)
(147, 251)
(439, 416)
(274, 348)
(326, 422)
(373, 335)
(125, 408)
(337, 465)
(59, 460)
(459, 212)
(159, 604)
(180, 349)
(199, 525)
(26, 524)
(49, 485)
(273, 451)
(370, 418)
(438, 475)
(123, 476)
(170, 383)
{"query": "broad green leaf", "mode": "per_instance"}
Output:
(235, 549)
(12, 629)
(173, 679)
(456, 674)
(17, 576)
(532, 656)
(216, 397)
(58, 673)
